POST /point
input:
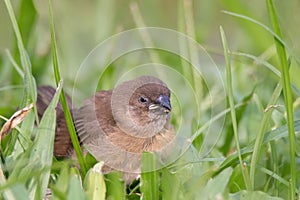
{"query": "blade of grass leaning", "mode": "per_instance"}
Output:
(140, 23)
(255, 22)
(214, 119)
(146, 38)
(30, 94)
(44, 142)
(229, 136)
(232, 109)
(273, 175)
(260, 61)
(19, 140)
(29, 81)
(261, 132)
(64, 104)
(267, 65)
(277, 36)
(287, 92)
(26, 18)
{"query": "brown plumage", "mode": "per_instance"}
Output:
(117, 126)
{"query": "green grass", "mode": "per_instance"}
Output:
(63, 101)
(287, 92)
(256, 156)
(232, 110)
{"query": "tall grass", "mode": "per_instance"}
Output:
(63, 101)
(232, 110)
(287, 92)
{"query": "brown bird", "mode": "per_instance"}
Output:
(117, 126)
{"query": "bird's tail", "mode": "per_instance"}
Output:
(62, 143)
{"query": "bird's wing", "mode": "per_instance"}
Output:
(94, 118)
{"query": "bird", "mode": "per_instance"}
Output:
(116, 126)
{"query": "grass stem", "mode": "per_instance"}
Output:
(63, 101)
(232, 109)
(287, 92)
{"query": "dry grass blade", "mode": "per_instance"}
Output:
(15, 120)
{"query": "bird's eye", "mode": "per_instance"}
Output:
(143, 99)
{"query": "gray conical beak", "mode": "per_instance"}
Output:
(164, 101)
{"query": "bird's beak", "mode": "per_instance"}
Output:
(164, 102)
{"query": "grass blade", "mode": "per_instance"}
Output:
(145, 35)
(287, 92)
(275, 34)
(63, 101)
(149, 181)
(187, 48)
(232, 109)
(30, 94)
(29, 80)
(139, 21)
(262, 129)
(44, 142)
(259, 61)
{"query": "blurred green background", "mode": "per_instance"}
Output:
(81, 25)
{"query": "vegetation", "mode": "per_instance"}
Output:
(232, 67)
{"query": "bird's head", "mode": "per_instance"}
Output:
(141, 107)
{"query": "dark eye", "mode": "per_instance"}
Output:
(143, 99)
